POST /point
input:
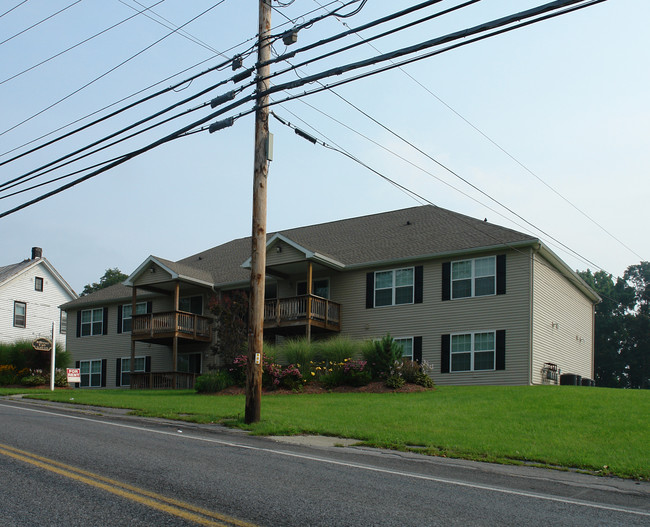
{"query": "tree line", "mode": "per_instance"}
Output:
(622, 327)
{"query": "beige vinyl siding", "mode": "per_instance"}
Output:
(562, 323)
(288, 254)
(147, 278)
(435, 317)
(116, 345)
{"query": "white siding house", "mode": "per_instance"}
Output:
(31, 292)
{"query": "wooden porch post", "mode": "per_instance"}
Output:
(133, 303)
(309, 280)
(177, 290)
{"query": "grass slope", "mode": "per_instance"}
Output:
(600, 430)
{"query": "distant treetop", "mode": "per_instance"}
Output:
(111, 277)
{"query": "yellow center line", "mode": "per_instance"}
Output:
(151, 499)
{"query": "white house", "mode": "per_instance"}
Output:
(31, 292)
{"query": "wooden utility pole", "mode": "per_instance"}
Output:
(258, 244)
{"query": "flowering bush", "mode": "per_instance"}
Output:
(273, 374)
(349, 372)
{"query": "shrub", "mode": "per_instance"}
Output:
(213, 382)
(381, 355)
(299, 352)
(395, 381)
(336, 349)
(8, 374)
(273, 375)
(410, 370)
(35, 378)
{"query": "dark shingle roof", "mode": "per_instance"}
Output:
(416, 232)
(8, 271)
(413, 233)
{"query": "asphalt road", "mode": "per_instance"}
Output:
(85, 466)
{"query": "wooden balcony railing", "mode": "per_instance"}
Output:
(153, 326)
(297, 310)
(162, 380)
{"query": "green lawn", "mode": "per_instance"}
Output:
(600, 430)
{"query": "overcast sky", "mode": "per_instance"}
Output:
(550, 120)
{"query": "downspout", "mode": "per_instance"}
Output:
(531, 297)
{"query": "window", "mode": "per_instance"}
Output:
(140, 309)
(38, 284)
(271, 290)
(92, 322)
(394, 287)
(20, 315)
(320, 287)
(138, 366)
(63, 324)
(407, 346)
(191, 304)
(473, 351)
(476, 277)
(189, 362)
(91, 373)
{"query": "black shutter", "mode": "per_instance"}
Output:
(370, 290)
(119, 320)
(147, 363)
(418, 284)
(78, 323)
(445, 353)
(501, 350)
(501, 274)
(105, 322)
(149, 307)
(76, 365)
(118, 373)
(446, 281)
(103, 373)
(417, 349)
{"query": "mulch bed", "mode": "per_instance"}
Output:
(315, 387)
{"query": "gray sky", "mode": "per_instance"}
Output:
(566, 101)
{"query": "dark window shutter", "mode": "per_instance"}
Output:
(76, 365)
(446, 281)
(501, 274)
(103, 373)
(118, 373)
(445, 353)
(78, 323)
(417, 349)
(105, 322)
(370, 290)
(501, 350)
(419, 272)
(119, 320)
(147, 363)
(149, 307)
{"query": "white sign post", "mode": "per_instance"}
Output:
(52, 365)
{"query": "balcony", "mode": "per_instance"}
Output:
(162, 326)
(302, 310)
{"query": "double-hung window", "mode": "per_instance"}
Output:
(476, 277)
(92, 322)
(91, 373)
(20, 315)
(138, 366)
(473, 351)
(63, 324)
(407, 347)
(394, 287)
(38, 284)
(140, 309)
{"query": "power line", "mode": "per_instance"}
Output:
(507, 153)
(112, 69)
(39, 22)
(576, 280)
(14, 7)
(294, 84)
(78, 44)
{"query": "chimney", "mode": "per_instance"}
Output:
(37, 252)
